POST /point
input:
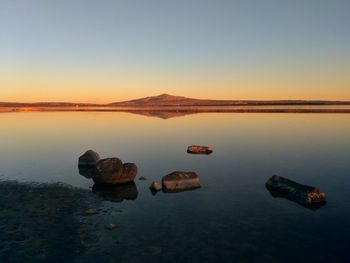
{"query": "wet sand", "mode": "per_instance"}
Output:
(39, 221)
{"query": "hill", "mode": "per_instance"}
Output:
(170, 100)
(166, 100)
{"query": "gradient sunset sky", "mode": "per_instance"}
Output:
(105, 51)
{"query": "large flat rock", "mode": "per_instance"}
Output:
(180, 181)
(197, 149)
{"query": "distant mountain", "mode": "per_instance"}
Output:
(170, 100)
(167, 100)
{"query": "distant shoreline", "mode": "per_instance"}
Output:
(168, 106)
(190, 109)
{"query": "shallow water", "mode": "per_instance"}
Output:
(231, 218)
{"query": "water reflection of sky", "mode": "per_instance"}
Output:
(232, 213)
(45, 146)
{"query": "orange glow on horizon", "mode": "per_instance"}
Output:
(39, 85)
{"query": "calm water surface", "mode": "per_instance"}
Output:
(231, 218)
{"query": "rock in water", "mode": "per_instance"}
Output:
(111, 171)
(90, 211)
(129, 172)
(155, 186)
(108, 171)
(197, 149)
(142, 178)
(180, 181)
(89, 158)
(111, 226)
(303, 194)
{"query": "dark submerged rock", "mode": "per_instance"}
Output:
(142, 178)
(197, 149)
(116, 193)
(89, 158)
(304, 195)
(180, 181)
(90, 211)
(111, 226)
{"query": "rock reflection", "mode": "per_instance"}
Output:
(117, 193)
(86, 171)
(276, 194)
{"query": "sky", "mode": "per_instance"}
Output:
(104, 51)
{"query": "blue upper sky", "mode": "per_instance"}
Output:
(240, 49)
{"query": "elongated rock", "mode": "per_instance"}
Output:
(305, 195)
(180, 181)
(197, 149)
